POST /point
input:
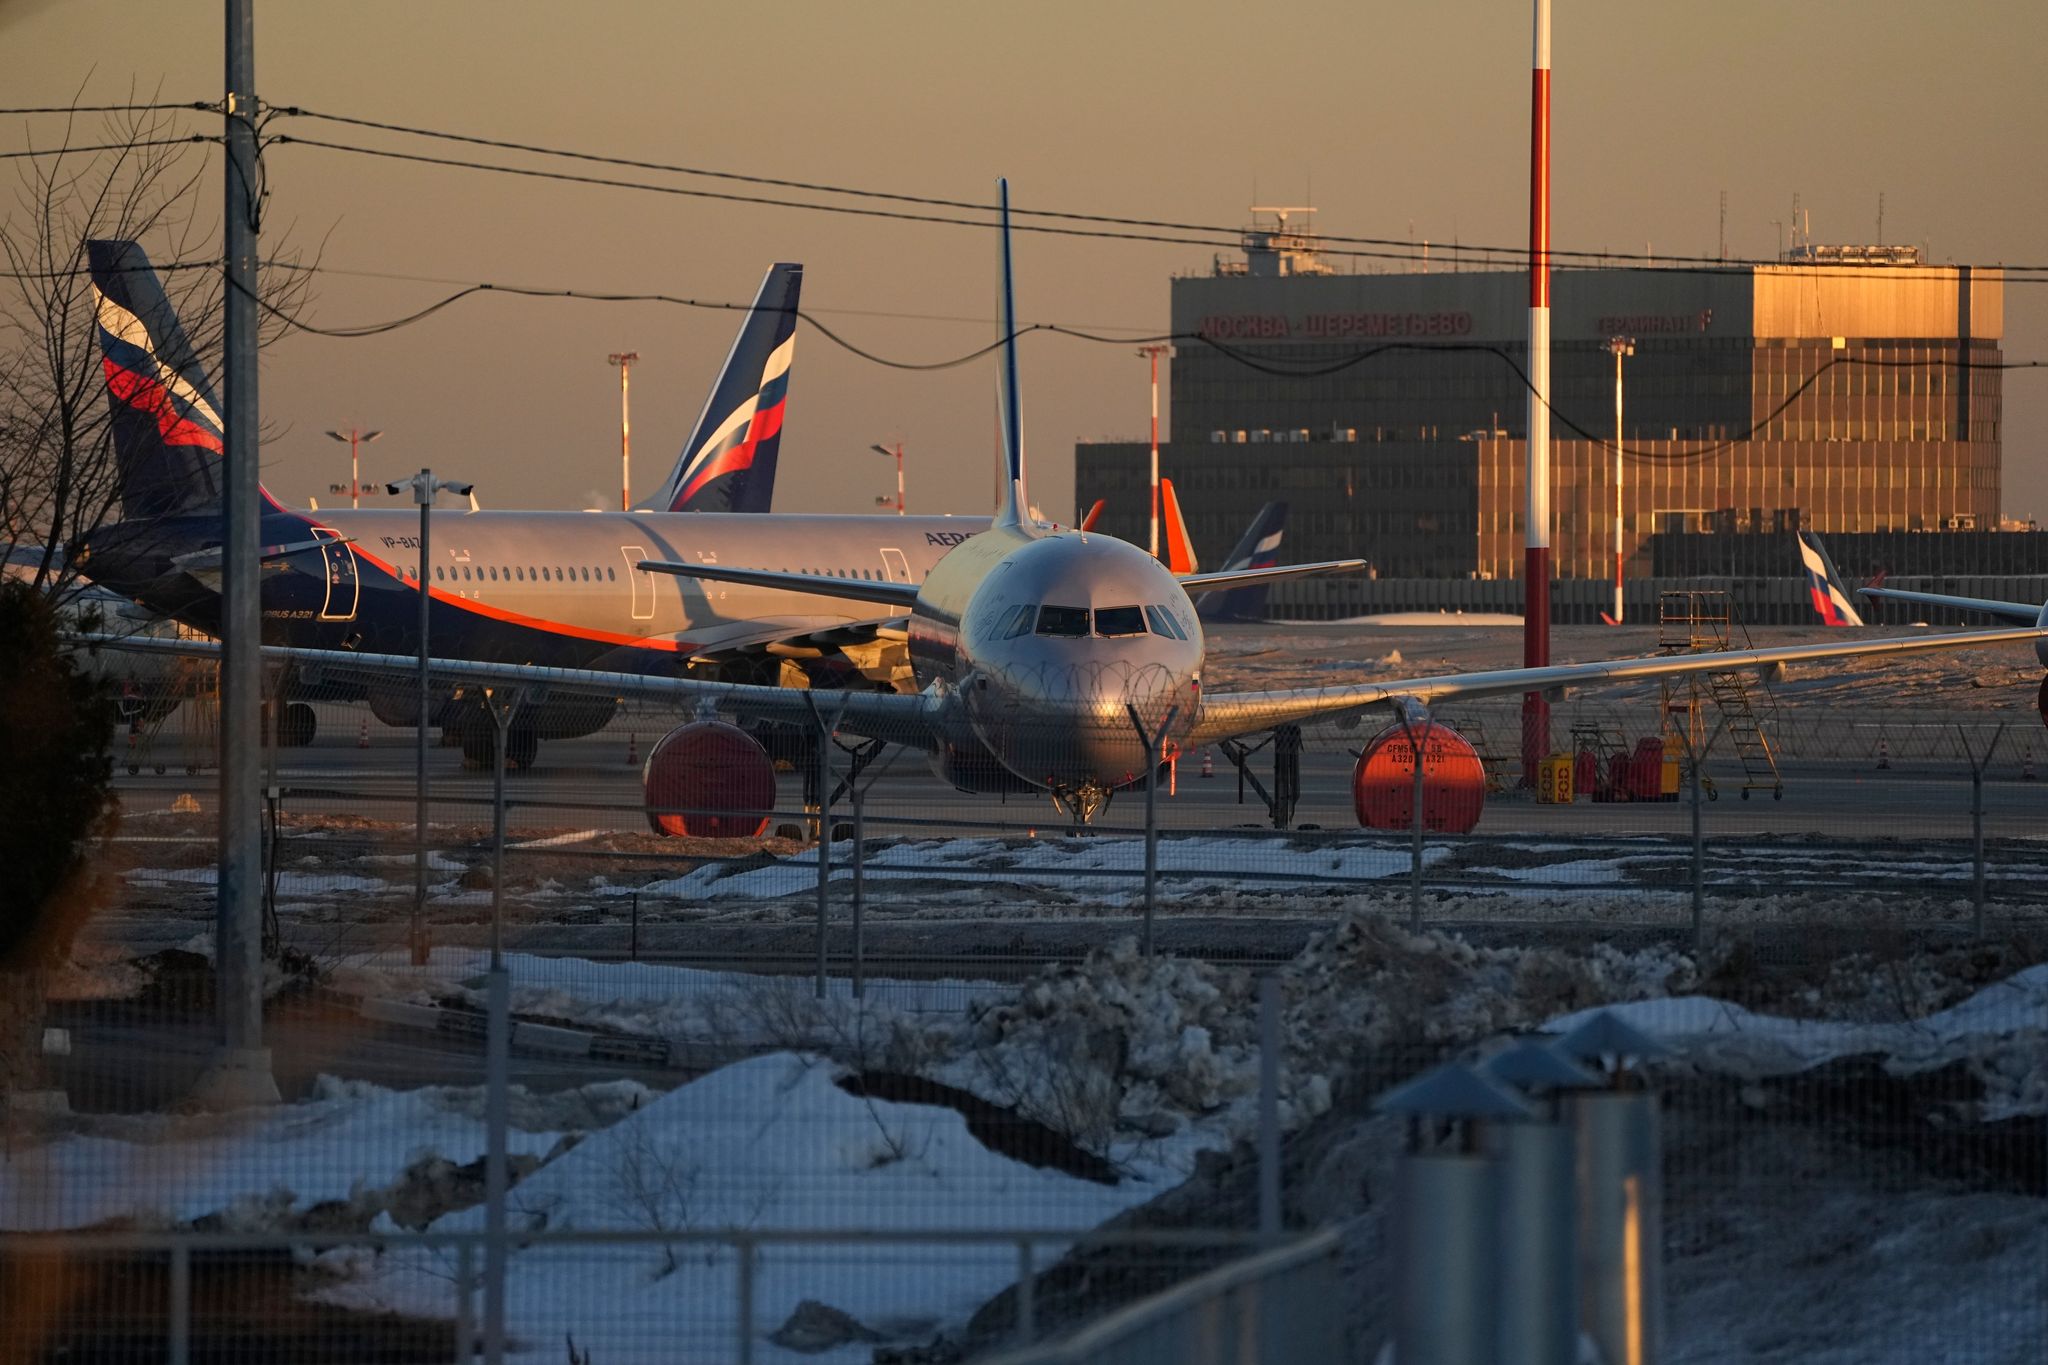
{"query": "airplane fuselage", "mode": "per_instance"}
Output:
(553, 588)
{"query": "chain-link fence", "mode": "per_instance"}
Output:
(974, 1071)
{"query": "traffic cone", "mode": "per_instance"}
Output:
(2027, 764)
(1884, 753)
(363, 734)
(632, 749)
(1208, 763)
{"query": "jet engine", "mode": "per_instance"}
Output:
(708, 780)
(1453, 780)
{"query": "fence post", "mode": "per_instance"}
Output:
(1269, 1106)
(1027, 1294)
(859, 858)
(497, 1046)
(633, 937)
(180, 1348)
(827, 722)
(1155, 744)
(745, 1327)
(465, 1302)
(1977, 767)
(1414, 827)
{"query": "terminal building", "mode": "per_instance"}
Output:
(1841, 389)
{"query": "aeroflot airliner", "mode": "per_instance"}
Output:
(547, 588)
(1056, 660)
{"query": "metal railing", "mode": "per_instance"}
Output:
(1280, 1307)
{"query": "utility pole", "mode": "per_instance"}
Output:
(239, 1074)
(1621, 346)
(624, 360)
(1536, 570)
(1152, 353)
(355, 467)
(898, 453)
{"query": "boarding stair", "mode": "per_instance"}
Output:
(1699, 621)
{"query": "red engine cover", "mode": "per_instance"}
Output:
(710, 767)
(1453, 781)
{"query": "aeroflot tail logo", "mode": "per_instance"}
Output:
(137, 379)
(732, 447)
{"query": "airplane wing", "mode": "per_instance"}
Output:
(794, 637)
(900, 595)
(893, 716)
(1226, 714)
(2011, 611)
(1238, 578)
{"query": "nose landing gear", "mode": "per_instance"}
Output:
(1083, 803)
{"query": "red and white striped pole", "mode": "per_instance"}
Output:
(1152, 353)
(1536, 571)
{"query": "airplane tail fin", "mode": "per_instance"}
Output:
(1173, 528)
(1830, 598)
(168, 431)
(728, 464)
(1258, 548)
(1011, 503)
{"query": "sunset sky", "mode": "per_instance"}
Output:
(1395, 120)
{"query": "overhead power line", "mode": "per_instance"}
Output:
(1389, 248)
(202, 106)
(73, 150)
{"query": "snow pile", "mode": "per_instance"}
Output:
(2000, 1033)
(255, 1167)
(1122, 1048)
(774, 1143)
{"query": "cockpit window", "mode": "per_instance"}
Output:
(1164, 624)
(1119, 620)
(1018, 622)
(1066, 622)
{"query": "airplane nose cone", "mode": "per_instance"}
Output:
(1078, 722)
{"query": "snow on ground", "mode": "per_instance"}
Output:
(768, 1144)
(255, 1166)
(2001, 1030)
(1054, 862)
(681, 1004)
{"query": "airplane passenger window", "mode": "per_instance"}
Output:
(612, 574)
(1069, 623)
(1119, 621)
(494, 573)
(519, 574)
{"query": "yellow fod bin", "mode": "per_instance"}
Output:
(1554, 780)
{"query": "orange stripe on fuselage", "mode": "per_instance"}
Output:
(515, 618)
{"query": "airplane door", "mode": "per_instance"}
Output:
(643, 582)
(344, 585)
(895, 567)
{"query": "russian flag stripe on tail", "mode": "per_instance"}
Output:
(1830, 600)
(167, 429)
(728, 465)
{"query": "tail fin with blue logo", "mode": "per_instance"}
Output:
(1258, 548)
(729, 463)
(1830, 598)
(168, 431)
